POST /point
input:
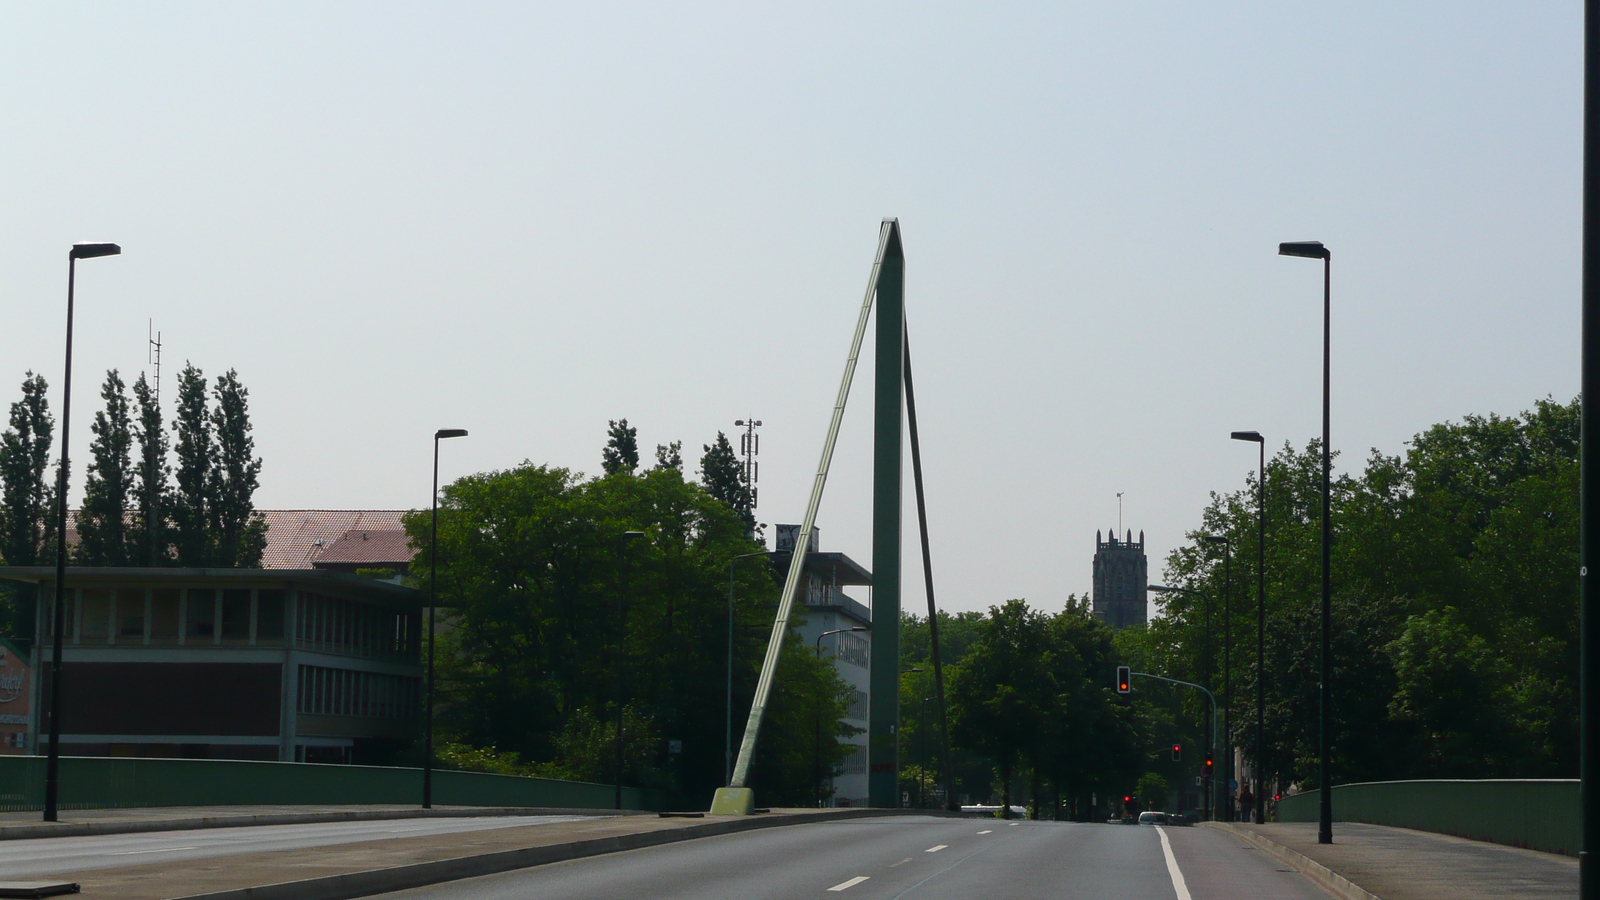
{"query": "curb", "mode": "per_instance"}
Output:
(377, 881)
(1324, 877)
(82, 829)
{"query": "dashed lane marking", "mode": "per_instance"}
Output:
(847, 885)
(987, 831)
(935, 848)
(162, 850)
(900, 863)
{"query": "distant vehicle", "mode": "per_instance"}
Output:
(1152, 817)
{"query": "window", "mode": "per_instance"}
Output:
(854, 649)
(855, 763)
(95, 622)
(269, 616)
(345, 692)
(202, 615)
(236, 614)
(130, 615)
(856, 706)
(164, 616)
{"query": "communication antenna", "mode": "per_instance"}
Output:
(154, 518)
(750, 446)
(1119, 512)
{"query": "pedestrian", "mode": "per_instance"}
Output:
(1247, 800)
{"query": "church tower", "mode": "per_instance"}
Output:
(1120, 579)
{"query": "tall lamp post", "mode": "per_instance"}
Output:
(727, 748)
(433, 601)
(52, 771)
(1227, 810)
(1211, 736)
(1315, 250)
(622, 637)
(816, 750)
(1261, 623)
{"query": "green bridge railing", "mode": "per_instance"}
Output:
(104, 783)
(1536, 813)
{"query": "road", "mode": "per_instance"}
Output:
(61, 856)
(912, 857)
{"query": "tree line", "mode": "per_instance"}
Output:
(1455, 606)
(139, 509)
(557, 619)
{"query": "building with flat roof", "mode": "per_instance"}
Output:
(826, 608)
(1121, 576)
(304, 665)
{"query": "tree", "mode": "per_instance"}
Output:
(621, 453)
(103, 538)
(239, 535)
(27, 496)
(532, 562)
(725, 479)
(148, 535)
(24, 459)
(670, 456)
(195, 474)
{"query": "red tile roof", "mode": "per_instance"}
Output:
(298, 538)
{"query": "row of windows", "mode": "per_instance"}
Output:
(172, 616)
(335, 625)
(856, 762)
(856, 707)
(854, 649)
(342, 692)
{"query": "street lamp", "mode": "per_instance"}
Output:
(1315, 250)
(1261, 622)
(727, 750)
(433, 601)
(622, 637)
(1227, 670)
(52, 776)
(816, 752)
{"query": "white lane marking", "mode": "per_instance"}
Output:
(162, 850)
(900, 863)
(935, 848)
(1178, 885)
(1015, 824)
(847, 885)
(987, 831)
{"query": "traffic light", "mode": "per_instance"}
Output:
(1208, 764)
(1177, 752)
(1124, 680)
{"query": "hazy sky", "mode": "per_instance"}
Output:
(527, 219)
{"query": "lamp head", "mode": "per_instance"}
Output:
(1249, 436)
(865, 628)
(1160, 589)
(1303, 249)
(92, 250)
(449, 433)
(631, 535)
(1215, 539)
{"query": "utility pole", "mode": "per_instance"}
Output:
(152, 524)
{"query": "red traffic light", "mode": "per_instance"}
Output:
(1124, 679)
(1177, 752)
(1127, 798)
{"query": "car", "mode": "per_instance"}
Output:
(1153, 817)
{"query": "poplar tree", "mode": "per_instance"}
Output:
(24, 458)
(724, 477)
(622, 448)
(239, 535)
(191, 508)
(26, 495)
(152, 496)
(102, 527)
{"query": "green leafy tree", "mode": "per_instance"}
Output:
(239, 535)
(724, 477)
(195, 474)
(1153, 790)
(544, 594)
(103, 538)
(670, 456)
(151, 492)
(621, 453)
(26, 497)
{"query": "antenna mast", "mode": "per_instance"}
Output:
(153, 516)
(749, 447)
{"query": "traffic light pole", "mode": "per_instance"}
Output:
(1209, 696)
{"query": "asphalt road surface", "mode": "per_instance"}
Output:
(63, 855)
(912, 857)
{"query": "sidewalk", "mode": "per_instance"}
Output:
(359, 869)
(78, 822)
(1366, 861)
